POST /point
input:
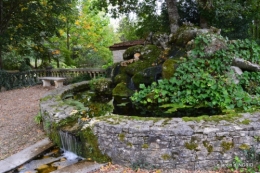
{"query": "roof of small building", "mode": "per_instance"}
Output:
(125, 45)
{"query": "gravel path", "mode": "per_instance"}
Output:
(18, 129)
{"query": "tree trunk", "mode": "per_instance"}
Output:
(173, 15)
(1, 24)
(203, 20)
(35, 63)
(1, 59)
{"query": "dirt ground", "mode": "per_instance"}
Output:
(18, 129)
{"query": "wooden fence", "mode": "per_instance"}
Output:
(10, 80)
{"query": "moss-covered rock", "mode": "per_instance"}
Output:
(150, 52)
(169, 67)
(101, 85)
(147, 76)
(138, 66)
(184, 35)
(122, 90)
(120, 78)
(129, 53)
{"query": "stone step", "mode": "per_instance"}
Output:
(81, 167)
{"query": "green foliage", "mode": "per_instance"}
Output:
(203, 85)
(249, 164)
(85, 40)
(78, 105)
(80, 78)
(100, 85)
(38, 118)
(93, 108)
(27, 24)
(127, 29)
(233, 17)
(17, 79)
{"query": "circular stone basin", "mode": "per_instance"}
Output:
(161, 142)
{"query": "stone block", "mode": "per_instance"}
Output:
(210, 130)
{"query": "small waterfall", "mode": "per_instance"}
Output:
(131, 85)
(70, 142)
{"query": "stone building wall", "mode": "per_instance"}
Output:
(173, 143)
(118, 55)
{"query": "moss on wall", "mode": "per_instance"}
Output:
(245, 121)
(244, 147)
(192, 145)
(90, 148)
(121, 137)
(145, 146)
(226, 146)
(166, 157)
(207, 145)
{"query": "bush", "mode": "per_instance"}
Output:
(80, 78)
(204, 85)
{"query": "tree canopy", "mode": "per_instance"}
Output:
(51, 30)
(237, 19)
(24, 20)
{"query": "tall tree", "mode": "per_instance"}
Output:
(28, 19)
(141, 8)
(89, 38)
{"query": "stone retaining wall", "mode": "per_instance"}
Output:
(164, 142)
(173, 143)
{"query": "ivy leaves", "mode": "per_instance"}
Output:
(204, 82)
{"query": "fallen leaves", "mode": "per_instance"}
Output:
(18, 129)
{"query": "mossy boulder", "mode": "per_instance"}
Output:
(122, 77)
(115, 69)
(150, 52)
(122, 90)
(101, 85)
(147, 76)
(187, 33)
(129, 53)
(169, 67)
(148, 58)
(184, 35)
(214, 43)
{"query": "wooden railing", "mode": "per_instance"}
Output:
(10, 80)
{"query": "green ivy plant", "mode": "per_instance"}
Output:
(203, 85)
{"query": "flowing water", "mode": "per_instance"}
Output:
(70, 142)
(55, 158)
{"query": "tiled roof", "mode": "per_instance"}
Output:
(125, 45)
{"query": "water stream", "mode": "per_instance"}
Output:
(55, 158)
(70, 142)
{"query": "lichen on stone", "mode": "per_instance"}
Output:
(244, 147)
(166, 157)
(121, 137)
(227, 145)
